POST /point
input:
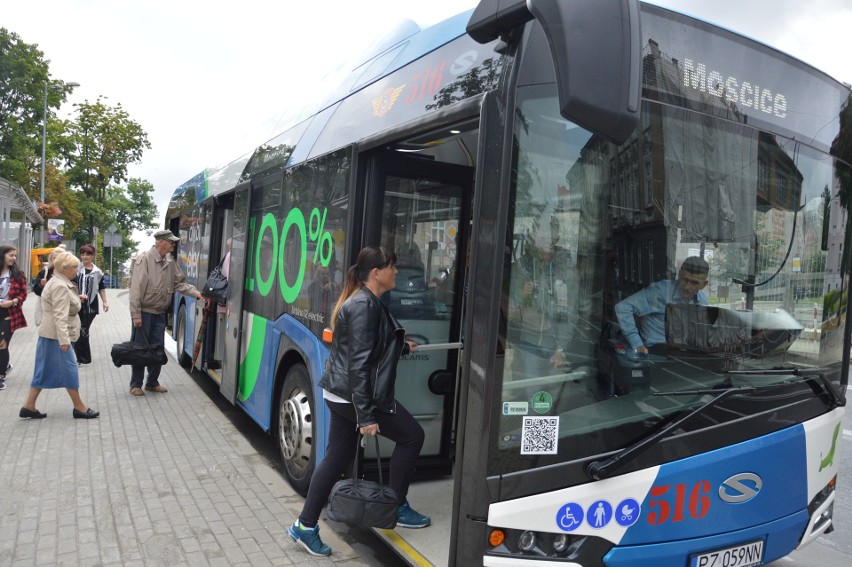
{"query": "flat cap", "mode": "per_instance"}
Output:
(165, 235)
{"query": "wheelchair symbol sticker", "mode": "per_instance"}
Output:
(569, 517)
(627, 512)
(600, 513)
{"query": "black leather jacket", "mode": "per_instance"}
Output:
(367, 344)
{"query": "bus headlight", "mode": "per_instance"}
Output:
(560, 543)
(527, 541)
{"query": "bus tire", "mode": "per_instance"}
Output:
(180, 337)
(296, 428)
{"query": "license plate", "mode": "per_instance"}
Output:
(744, 555)
(411, 301)
(637, 374)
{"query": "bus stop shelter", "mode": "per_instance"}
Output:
(17, 216)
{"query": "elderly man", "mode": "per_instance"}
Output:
(154, 277)
(649, 304)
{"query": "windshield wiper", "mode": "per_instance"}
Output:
(807, 373)
(598, 470)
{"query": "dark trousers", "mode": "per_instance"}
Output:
(401, 428)
(155, 327)
(6, 335)
(82, 348)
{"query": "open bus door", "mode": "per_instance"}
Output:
(423, 210)
(232, 320)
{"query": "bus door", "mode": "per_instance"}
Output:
(421, 211)
(232, 320)
(221, 232)
(200, 228)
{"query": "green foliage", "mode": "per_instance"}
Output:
(835, 302)
(23, 76)
(98, 146)
(128, 208)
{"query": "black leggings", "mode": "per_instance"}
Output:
(399, 427)
(5, 335)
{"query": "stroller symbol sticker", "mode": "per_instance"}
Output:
(569, 517)
(627, 512)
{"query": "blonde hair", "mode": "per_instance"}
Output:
(51, 258)
(64, 260)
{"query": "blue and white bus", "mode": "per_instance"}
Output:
(533, 166)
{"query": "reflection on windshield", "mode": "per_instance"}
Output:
(699, 247)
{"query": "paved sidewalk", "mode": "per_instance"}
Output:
(163, 479)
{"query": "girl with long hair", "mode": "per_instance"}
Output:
(358, 388)
(13, 293)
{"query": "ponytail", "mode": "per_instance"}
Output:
(369, 258)
(351, 285)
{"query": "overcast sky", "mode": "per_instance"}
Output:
(209, 80)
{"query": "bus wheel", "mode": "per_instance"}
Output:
(296, 428)
(180, 338)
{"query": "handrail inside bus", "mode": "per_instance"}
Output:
(440, 346)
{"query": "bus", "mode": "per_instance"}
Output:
(532, 167)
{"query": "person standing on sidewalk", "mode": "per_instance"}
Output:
(43, 277)
(13, 293)
(154, 277)
(90, 282)
(55, 362)
(358, 388)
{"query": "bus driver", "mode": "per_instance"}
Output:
(649, 305)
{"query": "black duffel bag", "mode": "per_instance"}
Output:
(362, 502)
(137, 354)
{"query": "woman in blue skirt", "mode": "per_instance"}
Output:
(56, 364)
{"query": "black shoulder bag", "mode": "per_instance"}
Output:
(216, 287)
(362, 502)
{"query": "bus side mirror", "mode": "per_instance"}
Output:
(597, 49)
(596, 46)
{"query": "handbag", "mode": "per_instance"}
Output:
(137, 354)
(362, 502)
(216, 287)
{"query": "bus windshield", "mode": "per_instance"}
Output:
(699, 247)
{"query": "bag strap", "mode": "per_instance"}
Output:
(358, 454)
(144, 334)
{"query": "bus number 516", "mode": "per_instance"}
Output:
(663, 509)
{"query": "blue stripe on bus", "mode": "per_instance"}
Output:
(695, 507)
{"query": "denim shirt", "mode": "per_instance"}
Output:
(649, 305)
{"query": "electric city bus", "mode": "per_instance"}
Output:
(534, 166)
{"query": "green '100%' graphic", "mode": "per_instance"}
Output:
(314, 232)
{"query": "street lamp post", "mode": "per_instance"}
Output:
(56, 87)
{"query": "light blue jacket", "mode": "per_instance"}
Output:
(649, 305)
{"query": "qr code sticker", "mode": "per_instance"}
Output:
(540, 435)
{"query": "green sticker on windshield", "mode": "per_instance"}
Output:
(542, 402)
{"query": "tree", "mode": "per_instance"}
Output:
(479, 79)
(128, 208)
(100, 144)
(23, 76)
